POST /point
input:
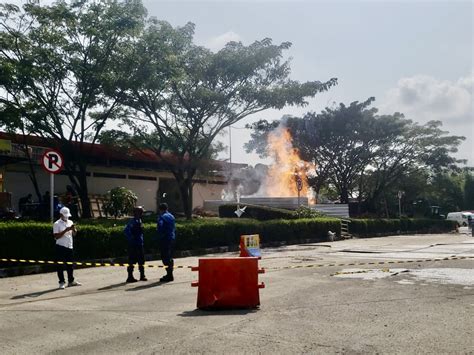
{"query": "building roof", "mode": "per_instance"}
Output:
(105, 155)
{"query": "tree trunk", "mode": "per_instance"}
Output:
(186, 189)
(344, 194)
(83, 192)
(32, 174)
(78, 178)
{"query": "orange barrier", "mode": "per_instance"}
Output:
(228, 283)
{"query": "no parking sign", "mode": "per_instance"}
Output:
(52, 162)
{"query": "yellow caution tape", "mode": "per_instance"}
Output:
(82, 263)
(372, 263)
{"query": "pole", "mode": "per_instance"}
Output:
(399, 207)
(51, 197)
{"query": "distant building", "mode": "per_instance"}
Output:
(140, 171)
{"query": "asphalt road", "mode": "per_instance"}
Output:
(405, 307)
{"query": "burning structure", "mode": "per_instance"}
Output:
(283, 184)
(288, 170)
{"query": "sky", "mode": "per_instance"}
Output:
(414, 57)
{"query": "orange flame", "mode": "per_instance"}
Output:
(282, 175)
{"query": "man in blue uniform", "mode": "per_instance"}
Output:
(167, 234)
(134, 233)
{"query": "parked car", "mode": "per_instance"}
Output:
(460, 217)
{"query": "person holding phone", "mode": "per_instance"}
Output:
(63, 231)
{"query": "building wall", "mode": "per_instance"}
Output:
(17, 182)
(206, 191)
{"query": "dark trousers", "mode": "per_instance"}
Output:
(136, 255)
(64, 254)
(166, 251)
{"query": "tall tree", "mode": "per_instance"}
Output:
(57, 63)
(469, 191)
(206, 93)
(339, 141)
(364, 154)
(410, 147)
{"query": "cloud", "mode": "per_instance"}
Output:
(218, 42)
(423, 98)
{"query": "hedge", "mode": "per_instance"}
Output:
(372, 227)
(34, 240)
(261, 213)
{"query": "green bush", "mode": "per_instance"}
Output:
(119, 202)
(261, 213)
(368, 227)
(32, 240)
(306, 212)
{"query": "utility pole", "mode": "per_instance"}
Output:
(400, 195)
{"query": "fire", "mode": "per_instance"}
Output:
(282, 175)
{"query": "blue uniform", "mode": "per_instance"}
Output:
(134, 233)
(166, 228)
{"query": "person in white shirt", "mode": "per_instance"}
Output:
(63, 231)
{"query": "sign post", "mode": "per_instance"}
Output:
(299, 185)
(400, 195)
(52, 163)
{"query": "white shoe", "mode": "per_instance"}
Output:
(62, 285)
(74, 283)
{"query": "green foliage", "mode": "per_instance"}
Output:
(372, 227)
(306, 212)
(360, 153)
(469, 192)
(32, 240)
(261, 213)
(119, 202)
(60, 67)
(207, 93)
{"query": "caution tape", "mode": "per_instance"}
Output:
(78, 263)
(371, 263)
(93, 264)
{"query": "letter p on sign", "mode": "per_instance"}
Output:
(52, 161)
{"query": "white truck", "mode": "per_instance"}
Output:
(460, 217)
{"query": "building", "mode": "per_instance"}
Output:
(140, 171)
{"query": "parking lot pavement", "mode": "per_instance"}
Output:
(408, 307)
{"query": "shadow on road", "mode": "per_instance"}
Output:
(218, 312)
(110, 287)
(144, 287)
(34, 294)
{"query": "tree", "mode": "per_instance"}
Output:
(58, 73)
(120, 201)
(364, 154)
(180, 115)
(469, 191)
(339, 141)
(408, 149)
